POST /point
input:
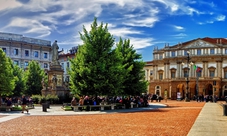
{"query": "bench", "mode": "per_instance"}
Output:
(119, 106)
(101, 107)
(5, 108)
(76, 108)
(134, 105)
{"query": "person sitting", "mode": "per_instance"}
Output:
(9, 104)
(73, 102)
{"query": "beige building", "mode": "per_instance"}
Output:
(64, 60)
(24, 49)
(196, 67)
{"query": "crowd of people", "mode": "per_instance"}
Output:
(142, 101)
(13, 101)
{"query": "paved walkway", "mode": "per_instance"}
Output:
(210, 121)
(57, 110)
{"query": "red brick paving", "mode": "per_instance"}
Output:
(175, 120)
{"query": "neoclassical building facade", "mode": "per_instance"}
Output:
(24, 49)
(196, 67)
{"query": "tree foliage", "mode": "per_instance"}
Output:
(134, 74)
(7, 79)
(33, 78)
(19, 81)
(97, 68)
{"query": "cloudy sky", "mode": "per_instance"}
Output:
(147, 23)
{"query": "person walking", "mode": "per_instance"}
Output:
(24, 104)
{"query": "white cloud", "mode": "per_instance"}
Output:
(9, 4)
(180, 28)
(180, 35)
(30, 26)
(140, 43)
(220, 18)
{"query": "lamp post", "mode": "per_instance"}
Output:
(187, 76)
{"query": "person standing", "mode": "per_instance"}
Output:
(24, 104)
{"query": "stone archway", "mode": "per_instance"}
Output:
(209, 89)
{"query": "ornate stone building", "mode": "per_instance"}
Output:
(64, 60)
(24, 49)
(204, 71)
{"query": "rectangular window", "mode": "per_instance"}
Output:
(45, 65)
(151, 73)
(172, 74)
(225, 75)
(26, 63)
(198, 51)
(45, 55)
(225, 51)
(16, 52)
(16, 62)
(4, 49)
(185, 53)
(67, 64)
(36, 54)
(173, 53)
(26, 53)
(211, 51)
(160, 76)
(211, 73)
(62, 65)
(160, 56)
(185, 73)
(198, 74)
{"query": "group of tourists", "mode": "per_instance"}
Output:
(142, 101)
(23, 101)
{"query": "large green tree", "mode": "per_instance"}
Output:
(134, 83)
(20, 80)
(7, 79)
(33, 78)
(97, 69)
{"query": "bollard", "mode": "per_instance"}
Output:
(44, 105)
(224, 109)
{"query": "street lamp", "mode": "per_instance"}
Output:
(187, 76)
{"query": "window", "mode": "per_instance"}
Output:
(36, 54)
(45, 65)
(15, 52)
(211, 51)
(225, 74)
(185, 73)
(211, 73)
(198, 74)
(26, 53)
(198, 51)
(45, 55)
(185, 53)
(67, 64)
(160, 76)
(173, 53)
(160, 56)
(4, 49)
(225, 51)
(16, 62)
(151, 73)
(173, 73)
(26, 63)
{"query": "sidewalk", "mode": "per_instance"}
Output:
(210, 121)
(57, 110)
